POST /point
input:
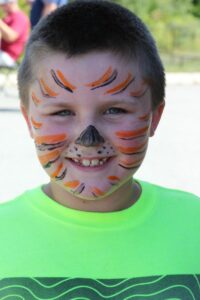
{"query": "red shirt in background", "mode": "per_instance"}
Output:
(19, 22)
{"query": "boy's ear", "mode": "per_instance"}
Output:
(156, 115)
(27, 119)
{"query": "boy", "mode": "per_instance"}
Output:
(92, 93)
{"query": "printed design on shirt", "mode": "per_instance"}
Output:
(184, 287)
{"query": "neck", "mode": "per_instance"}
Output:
(121, 199)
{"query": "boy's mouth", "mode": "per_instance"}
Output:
(90, 162)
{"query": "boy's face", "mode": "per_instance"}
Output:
(90, 117)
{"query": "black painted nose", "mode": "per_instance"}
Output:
(90, 137)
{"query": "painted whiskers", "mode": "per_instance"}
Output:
(131, 163)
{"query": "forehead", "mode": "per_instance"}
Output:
(103, 76)
(90, 65)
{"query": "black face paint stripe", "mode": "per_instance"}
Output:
(43, 147)
(48, 165)
(108, 81)
(80, 189)
(133, 138)
(62, 175)
(130, 168)
(43, 92)
(58, 82)
(124, 88)
(134, 153)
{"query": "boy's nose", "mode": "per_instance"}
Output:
(90, 137)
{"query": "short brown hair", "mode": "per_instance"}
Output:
(84, 26)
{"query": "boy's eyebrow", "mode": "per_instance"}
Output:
(46, 90)
(108, 77)
(121, 86)
(60, 80)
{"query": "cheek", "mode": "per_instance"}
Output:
(43, 125)
(131, 141)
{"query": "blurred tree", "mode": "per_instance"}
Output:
(196, 8)
(171, 22)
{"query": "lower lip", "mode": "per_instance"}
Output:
(90, 169)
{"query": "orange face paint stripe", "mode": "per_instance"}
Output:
(102, 79)
(121, 85)
(97, 191)
(35, 99)
(64, 80)
(72, 184)
(131, 134)
(44, 159)
(131, 150)
(47, 89)
(112, 177)
(140, 91)
(36, 125)
(145, 117)
(50, 139)
(57, 171)
(130, 167)
(130, 164)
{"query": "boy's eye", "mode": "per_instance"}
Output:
(63, 113)
(115, 111)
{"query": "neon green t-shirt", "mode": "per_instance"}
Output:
(151, 249)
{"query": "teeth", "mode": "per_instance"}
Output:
(85, 162)
(94, 162)
(90, 163)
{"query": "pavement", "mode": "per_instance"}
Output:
(173, 157)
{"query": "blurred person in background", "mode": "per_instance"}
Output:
(41, 8)
(14, 31)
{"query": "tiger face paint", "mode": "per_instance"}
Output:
(90, 117)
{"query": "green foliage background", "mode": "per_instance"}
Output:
(175, 25)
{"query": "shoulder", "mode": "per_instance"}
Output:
(173, 208)
(20, 17)
(170, 197)
(19, 204)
